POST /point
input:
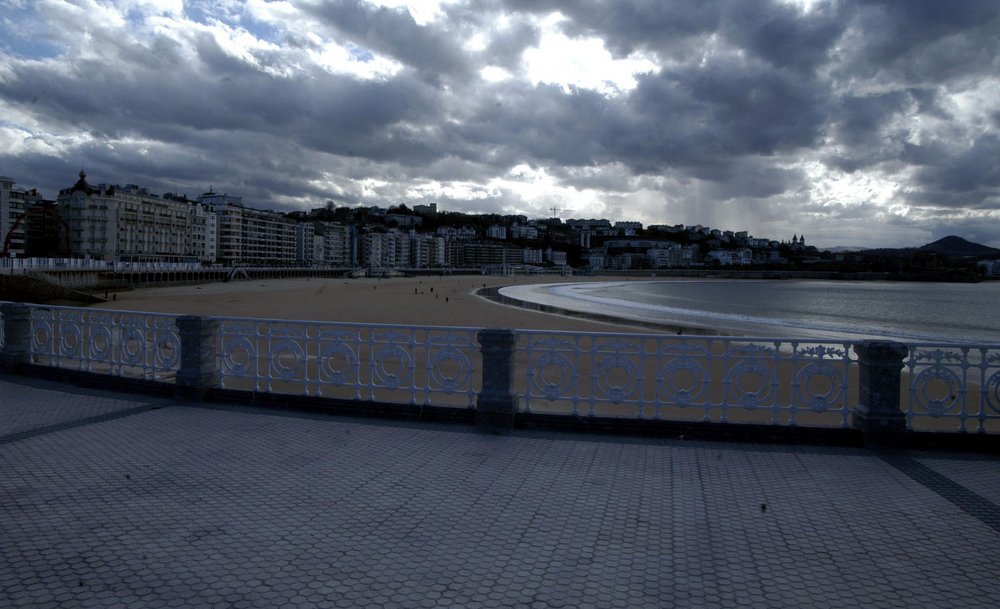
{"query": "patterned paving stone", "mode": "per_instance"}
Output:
(239, 507)
(32, 405)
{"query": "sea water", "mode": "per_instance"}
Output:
(941, 312)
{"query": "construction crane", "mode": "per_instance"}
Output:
(555, 211)
(43, 210)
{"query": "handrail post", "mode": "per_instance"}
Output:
(199, 370)
(16, 336)
(878, 414)
(496, 404)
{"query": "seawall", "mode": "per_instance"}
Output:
(26, 288)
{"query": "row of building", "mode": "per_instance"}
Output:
(130, 224)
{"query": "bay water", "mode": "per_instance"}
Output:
(906, 311)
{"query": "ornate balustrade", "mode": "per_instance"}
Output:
(415, 365)
(118, 343)
(874, 386)
(954, 387)
(711, 379)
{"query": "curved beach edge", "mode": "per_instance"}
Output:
(493, 294)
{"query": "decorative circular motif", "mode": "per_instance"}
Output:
(280, 351)
(41, 336)
(449, 383)
(819, 401)
(536, 373)
(617, 393)
(167, 350)
(100, 343)
(70, 339)
(992, 391)
(328, 357)
(386, 354)
(749, 399)
(238, 354)
(679, 395)
(936, 406)
(133, 346)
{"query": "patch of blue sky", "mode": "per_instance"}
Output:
(25, 46)
(208, 13)
(29, 48)
(360, 55)
(22, 34)
(259, 29)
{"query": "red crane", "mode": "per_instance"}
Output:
(43, 210)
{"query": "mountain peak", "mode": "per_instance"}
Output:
(956, 246)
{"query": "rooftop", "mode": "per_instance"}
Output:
(137, 501)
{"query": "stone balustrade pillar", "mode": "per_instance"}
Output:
(16, 336)
(878, 414)
(496, 404)
(199, 370)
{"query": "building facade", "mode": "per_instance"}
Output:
(125, 224)
(14, 204)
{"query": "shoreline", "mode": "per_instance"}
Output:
(493, 294)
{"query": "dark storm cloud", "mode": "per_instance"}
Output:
(741, 95)
(325, 112)
(506, 47)
(965, 178)
(782, 35)
(630, 24)
(702, 119)
(913, 36)
(754, 178)
(430, 50)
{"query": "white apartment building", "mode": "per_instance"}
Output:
(629, 229)
(497, 231)
(305, 244)
(13, 206)
(555, 257)
(129, 224)
(455, 233)
(532, 256)
(740, 257)
(523, 232)
(251, 236)
(204, 227)
(338, 244)
(378, 250)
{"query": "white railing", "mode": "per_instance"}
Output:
(640, 376)
(84, 264)
(953, 387)
(118, 343)
(410, 364)
(711, 379)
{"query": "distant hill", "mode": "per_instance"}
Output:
(845, 248)
(952, 246)
(957, 246)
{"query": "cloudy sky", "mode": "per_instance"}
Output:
(855, 122)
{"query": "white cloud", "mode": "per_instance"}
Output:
(585, 63)
(422, 11)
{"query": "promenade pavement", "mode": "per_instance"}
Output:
(122, 500)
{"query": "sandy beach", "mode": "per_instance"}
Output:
(426, 301)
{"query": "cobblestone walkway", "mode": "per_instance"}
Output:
(123, 501)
